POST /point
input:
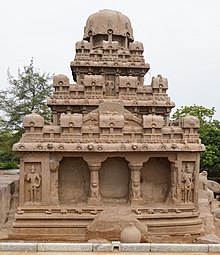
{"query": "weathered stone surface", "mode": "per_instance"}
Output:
(208, 239)
(16, 246)
(102, 247)
(214, 248)
(110, 145)
(110, 223)
(8, 200)
(80, 247)
(130, 234)
(134, 247)
(179, 248)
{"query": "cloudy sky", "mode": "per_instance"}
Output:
(181, 40)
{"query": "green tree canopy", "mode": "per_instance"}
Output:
(209, 133)
(28, 92)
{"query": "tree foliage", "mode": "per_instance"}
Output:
(8, 158)
(209, 133)
(28, 92)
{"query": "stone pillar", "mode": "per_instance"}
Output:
(55, 119)
(94, 197)
(196, 180)
(45, 178)
(22, 181)
(54, 166)
(135, 192)
(174, 189)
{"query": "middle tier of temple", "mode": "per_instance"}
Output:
(110, 127)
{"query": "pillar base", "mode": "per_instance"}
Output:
(138, 201)
(94, 201)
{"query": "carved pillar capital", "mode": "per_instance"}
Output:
(135, 166)
(94, 166)
(174, 166)
(54, 165)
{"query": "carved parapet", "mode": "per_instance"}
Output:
(136, 47)
(159, 83)
(113, 45)
(153, 121)
(71, 120)
(33, 120)
(61, 82)
(110, 120)
(33, 124)
(93, 81)
(128, 82)
(82, 45)
(190, 122)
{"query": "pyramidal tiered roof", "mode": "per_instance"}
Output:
(109, 103)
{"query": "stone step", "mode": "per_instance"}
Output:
(107, 248)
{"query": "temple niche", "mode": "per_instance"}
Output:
(110, 145)
(155, 180)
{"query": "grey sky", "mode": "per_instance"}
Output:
(181, 40)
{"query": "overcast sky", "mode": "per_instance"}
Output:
(181, 40)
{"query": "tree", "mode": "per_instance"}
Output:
(28, 92)
(209, 133)
(8, 158)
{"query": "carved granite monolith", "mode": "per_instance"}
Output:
(110, 144)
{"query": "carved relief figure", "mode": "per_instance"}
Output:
(109, 88)
(34, 180)
(94, 189)
(173, 189)
(136, 190)
(187, 184)
(54, 165)
(135, 185)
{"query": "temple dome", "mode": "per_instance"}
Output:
(103, 21)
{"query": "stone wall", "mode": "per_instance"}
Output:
(8, 199)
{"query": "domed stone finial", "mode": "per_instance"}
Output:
(108, 21)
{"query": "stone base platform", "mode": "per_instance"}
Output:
(69, 224)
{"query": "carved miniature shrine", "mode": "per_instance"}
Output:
(110, 145)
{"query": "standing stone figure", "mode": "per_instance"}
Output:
(187, 184)
(34, 180)
(94, 189)
(136, 190)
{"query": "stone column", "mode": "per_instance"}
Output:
(45, 172)
(196, 180)
(22, 181)
(94, 197)
(54, 166)
(174, 189)
(135, 192)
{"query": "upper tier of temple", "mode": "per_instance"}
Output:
(109, 102)
(109, 66)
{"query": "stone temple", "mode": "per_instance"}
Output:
(110, 149)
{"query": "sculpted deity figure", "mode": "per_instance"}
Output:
(136, 189)
(187, 184)
(94, 189)
(110, 88)
(34, 180)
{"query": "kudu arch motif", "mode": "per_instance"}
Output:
(110, 143)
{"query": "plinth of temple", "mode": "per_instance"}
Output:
(110, 144)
